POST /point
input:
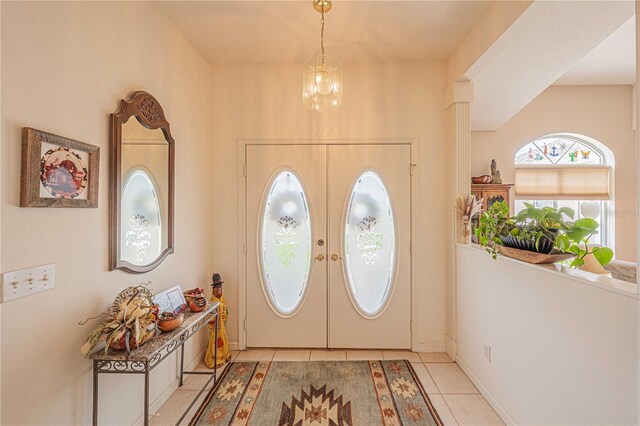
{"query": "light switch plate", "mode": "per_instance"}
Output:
(25, 282)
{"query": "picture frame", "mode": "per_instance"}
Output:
(58, 171)
(171, 300)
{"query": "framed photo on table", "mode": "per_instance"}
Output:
(171, 300)
(58, 171)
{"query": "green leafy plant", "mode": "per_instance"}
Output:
(492, 224)
(557, 226)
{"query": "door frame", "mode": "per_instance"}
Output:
(243, 249)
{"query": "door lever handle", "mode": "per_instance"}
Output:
(319, 257)
(335, 257)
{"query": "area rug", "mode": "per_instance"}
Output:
(317, 393)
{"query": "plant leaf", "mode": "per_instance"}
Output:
(587, 222)
(577, 262)
(567, 211)
(603, 255)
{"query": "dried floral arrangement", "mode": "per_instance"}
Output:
(132, 320)
(468, 206)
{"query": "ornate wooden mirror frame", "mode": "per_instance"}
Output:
(147, 110)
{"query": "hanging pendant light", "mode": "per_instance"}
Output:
(322, 75)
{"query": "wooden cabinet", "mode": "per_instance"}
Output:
(490, 193)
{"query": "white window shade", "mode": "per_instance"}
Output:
(563, 183)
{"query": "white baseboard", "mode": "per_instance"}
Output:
(504, 415)
(169, 390)
(428, 347)
(233, 346)
(451, 347)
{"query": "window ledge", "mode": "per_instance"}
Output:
(601, 281)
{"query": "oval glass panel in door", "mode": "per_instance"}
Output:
(369, 245)
(141, 229)
(285, 244)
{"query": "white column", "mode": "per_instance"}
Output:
(458, 181)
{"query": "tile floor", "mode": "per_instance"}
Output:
(454, 396)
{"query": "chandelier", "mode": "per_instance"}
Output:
(322, 75)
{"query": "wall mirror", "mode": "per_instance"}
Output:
(142, 183)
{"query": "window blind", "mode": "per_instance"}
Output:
(591, 182)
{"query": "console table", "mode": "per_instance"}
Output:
(152, 353)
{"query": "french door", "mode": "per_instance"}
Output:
(328, 259)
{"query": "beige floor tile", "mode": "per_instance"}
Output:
(171, 410)
(408, 355)
(292, 355)
(357, 355)
(449, 378)
(196, 381)
(425, 378)
(255, 355)
(443, 410)
(435, 357)
(233, 354)
(320, 355)
(472, 410)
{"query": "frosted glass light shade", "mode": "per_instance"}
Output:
(322, 83)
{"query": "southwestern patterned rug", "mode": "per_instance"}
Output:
(317, 393)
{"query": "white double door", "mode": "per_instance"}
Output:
(328, 259)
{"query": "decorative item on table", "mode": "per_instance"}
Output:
(467, 207)
(168, 321)
(222, 343)
(171, 300)
(544, 232)
(198, 304)
(495, 173)
(189, 295)
(131, 321)
(484, 179)
(58, 171)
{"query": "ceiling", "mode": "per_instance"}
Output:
(355, 31)
(612, 62)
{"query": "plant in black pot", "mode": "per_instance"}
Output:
(540, 230)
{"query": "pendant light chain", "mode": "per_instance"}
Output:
(322, 35)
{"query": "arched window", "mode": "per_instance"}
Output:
(568, 170)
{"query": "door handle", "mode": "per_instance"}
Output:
(320, 257)
(335, 257)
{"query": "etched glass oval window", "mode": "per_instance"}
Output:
(285, 243)
(369, 245)
(141, 230)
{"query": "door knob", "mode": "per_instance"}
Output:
(320, 257)
(335, 257)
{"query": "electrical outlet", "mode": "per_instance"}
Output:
(25, 282)
(487, 353)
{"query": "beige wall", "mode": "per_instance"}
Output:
(382, 101)
(602, 112)
(558, 341)
(66, 66)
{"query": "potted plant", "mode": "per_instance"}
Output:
(541, 230)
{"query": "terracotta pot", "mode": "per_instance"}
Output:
(198, 304)
(171, 324)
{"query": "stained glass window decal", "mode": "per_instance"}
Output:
(558, 150)
(285, 243)
(369, 244)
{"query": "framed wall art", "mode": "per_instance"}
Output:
(58, 171)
